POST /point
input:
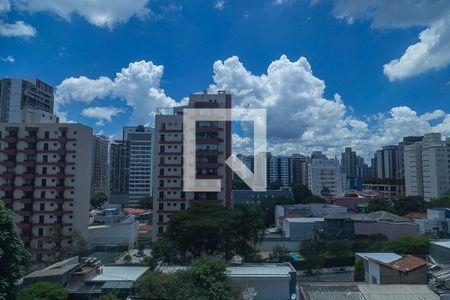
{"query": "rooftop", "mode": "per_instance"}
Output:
(363, 291)
(442, 243)
(246, 270)
(382, 257)
(377, 216)
(56, 269)
(120, 273)
(304, 220)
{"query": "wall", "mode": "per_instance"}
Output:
(391, 230)
(391, 276)
(119, 234)
(267, 288)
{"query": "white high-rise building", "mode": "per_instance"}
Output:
(140, 147)
(45, 179)
(324, 172)
(427, 167)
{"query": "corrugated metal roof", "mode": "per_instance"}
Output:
(120, 273)
(245, 270)
(442, 243)
(260, 270)
(383, 257)
(397, 292)
(331, 292)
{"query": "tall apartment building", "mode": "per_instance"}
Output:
(386, 162)
(408, 140)
(100, 172)
(18, 95)
(324, 172)
(140, 146)
(131, 165)
(299, 168)
(119, 164)
(349, 162)
(45, 179)
(427, 167)
(278, 169)
(213, 147)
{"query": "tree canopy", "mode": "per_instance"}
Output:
(205, 279)
(13, 255)
(208, 229)
(98, 199)
(43, 290)
(146, 202)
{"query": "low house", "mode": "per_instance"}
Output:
(301, 229)
(87, 279)
(351, 203)
(262, 281)
(440, 251)
(249, 196)
(316, 210)
(349, 226)
(390, 268)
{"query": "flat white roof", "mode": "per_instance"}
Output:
(304, 220)
(443, 243)
(120, 273)
(383, 257)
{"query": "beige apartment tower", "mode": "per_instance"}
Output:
(213, 147)
(45, 178)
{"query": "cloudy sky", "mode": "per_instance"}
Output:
(330, 73)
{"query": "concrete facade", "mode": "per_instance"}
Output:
(324, 172)
(46, 181)
(100, 170)
(213, 147)
(21, 94)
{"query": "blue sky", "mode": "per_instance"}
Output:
(345, 43)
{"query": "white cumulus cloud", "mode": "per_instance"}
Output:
(433, 49)
(138, 84)
(17, 29)
(102, 13)
(102, 114)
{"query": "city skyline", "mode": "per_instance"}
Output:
(315, 95)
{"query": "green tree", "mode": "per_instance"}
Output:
(108, 296)
(325, 192)
(280, 253)
(249, 227)
(210, 277)
(166, 250)
(276, 185)
(414, 245)
(205, 280)
(156, 285)
(268, 207)
(203, 228)
(146, 202)
(409, 204)
(239, 184)
(439, 202)
(43, 290)
(300, 192)
(359, 272)
(98, 199)
(338, 249)
(127, 259)
(13, 255)
(379, 204)
(313, 252)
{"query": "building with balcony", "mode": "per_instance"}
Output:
(19, 95)
(213, 147)
(45, 179)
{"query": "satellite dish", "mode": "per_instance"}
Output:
(293, 297)
(249, 293)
